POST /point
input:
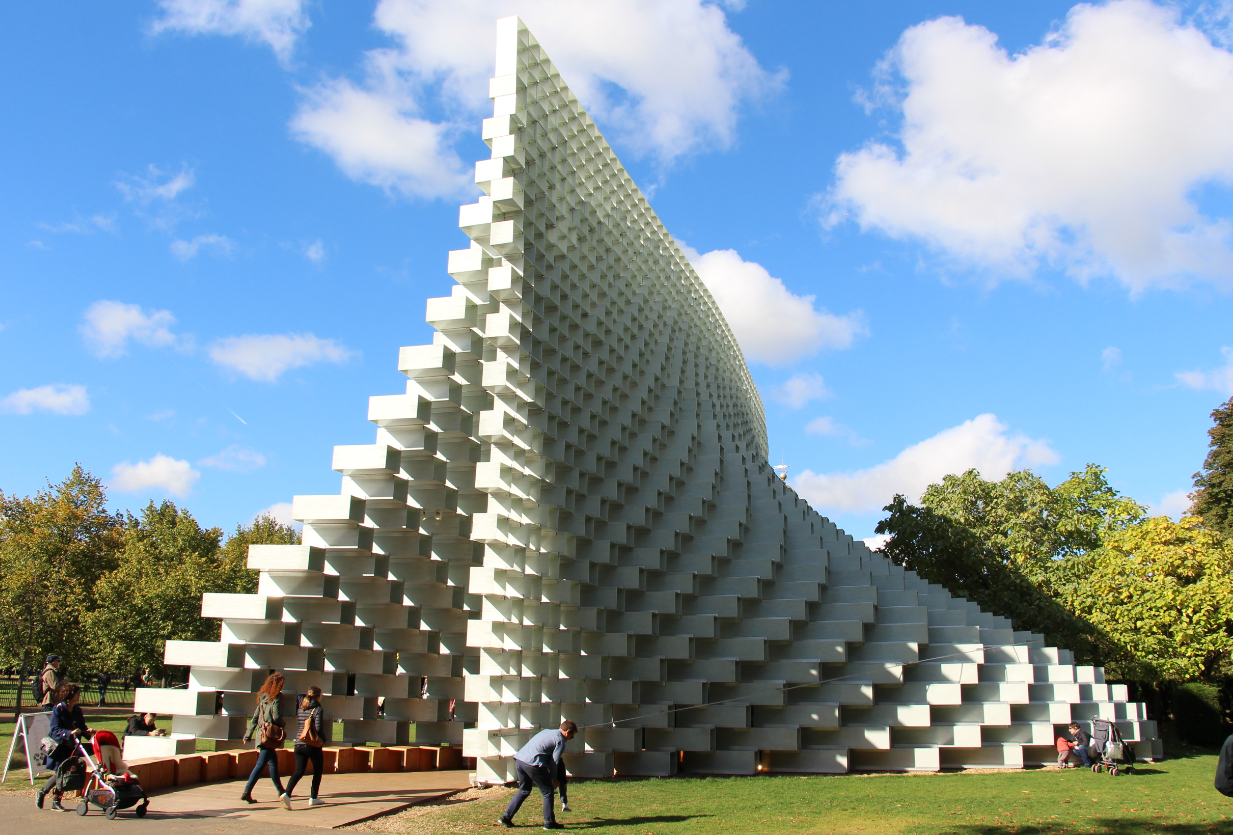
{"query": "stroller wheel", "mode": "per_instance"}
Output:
(111, 813)
(140, 811)
(82, 808)
(1096, 769)
(1112, 771)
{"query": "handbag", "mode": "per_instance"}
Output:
(309, 735)
(271, 735)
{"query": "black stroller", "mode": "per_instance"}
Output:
(1116, 755)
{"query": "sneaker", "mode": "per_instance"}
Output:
(565, 807)
(247, 798)
(506, 822)
(315, 801)
(285, 799)
(38, 798)
(553, 825)
(55, 804)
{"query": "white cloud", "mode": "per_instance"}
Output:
(376, 132)
(159, 417)
(83, 226)
(267, 356)
(1219, 379)
(982, 443)
(1083, 152)
(57, 398)
(159, 473)
(315, 252)
(186, 250)
(801, 388)
(1110, 358)
(281, 512)
(109, 325)
(374, 138)
(773, 325)
(235, 459)
(877, 541)
(1172, 504)
(828, 427)
(277, 23)
(156, 184)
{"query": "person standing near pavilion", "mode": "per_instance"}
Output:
(52, 679)
(536, 765)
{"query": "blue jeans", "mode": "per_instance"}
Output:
(532, 776)
(1083, 753)
(269, 756)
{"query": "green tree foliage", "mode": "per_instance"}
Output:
(1162, 591)
(166, 563)
(54, 546)
(1017, 547)
(1213, 495)
(945, 552)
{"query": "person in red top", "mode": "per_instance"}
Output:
(1063, 752)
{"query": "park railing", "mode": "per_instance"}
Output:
(119, 694)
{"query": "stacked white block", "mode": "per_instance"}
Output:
(569, 515)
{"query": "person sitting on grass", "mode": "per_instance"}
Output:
(142, 724)
(536, 765)
(1083, 744)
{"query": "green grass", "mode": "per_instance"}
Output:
(1175, 796)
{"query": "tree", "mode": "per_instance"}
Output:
(265, 530)
(166, 564)
(1213, 494)
(53, 548)
(1163, 592)
(942, 551)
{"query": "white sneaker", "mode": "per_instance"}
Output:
(315, 801)
(565, 807)
(286, 801)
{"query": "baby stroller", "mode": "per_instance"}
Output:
(110, 786)
(1116, 755)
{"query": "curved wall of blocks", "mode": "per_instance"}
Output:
(569, 515)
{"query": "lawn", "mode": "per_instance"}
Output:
(1175, 796)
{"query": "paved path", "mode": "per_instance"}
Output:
(215, 807)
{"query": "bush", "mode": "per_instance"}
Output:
(1197, 717)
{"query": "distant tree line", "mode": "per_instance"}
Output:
(1148, 598)
(105, 591)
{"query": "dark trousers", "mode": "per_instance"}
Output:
(102, 697)
(1084, 753)
(269, 757)
(305, 754)
(532, 776)
(563, 779)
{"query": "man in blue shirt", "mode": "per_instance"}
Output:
(536, 765)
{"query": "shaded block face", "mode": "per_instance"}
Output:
(568, 513)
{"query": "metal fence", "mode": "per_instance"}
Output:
(119, 694)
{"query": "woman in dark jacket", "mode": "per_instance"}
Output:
(68, 724)
(309, 716)
(269, 712)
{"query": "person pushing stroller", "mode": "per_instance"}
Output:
(68, 724)
(536, 764)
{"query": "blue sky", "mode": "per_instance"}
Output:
(967, 234)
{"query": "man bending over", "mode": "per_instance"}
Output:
(537, 765)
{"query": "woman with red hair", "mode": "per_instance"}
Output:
(267, 725)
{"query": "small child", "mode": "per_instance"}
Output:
(1063, 752)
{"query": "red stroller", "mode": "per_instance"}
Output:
(110, 786)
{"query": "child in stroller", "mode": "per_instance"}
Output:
(1116, 755)
(111, 785)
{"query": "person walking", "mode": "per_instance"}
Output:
(308, 745)
(1083, 744)
(52, 679)
(104, 681)
(268, 726)
(68, 724)
(536, 765)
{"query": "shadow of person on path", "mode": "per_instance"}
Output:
(641, 820)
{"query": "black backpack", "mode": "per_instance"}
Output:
(37, 687)
(71, 774)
